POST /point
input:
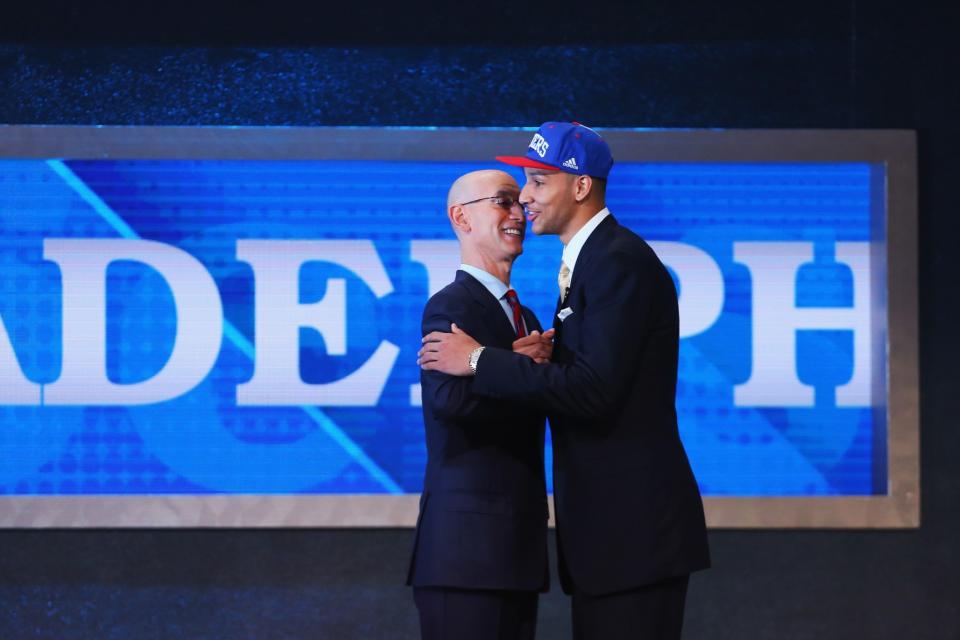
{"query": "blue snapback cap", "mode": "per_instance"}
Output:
(566, 146)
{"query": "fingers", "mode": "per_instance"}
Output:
(434, 336)
(428, 348)
(425, 358)
(538, 353)
(535, 339)
(454, 328)
(526, 341)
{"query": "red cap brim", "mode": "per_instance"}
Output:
(524, 161)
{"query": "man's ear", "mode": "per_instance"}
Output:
(583, 187)
(458, 218)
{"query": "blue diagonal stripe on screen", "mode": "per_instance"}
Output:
(231, 332)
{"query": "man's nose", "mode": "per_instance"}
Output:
(525, 198)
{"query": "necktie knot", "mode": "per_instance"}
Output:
(514, 301)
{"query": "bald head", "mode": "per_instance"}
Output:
(485, 213)
(479, 184)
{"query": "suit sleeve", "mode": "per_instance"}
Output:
(624, 301)
(450, 398)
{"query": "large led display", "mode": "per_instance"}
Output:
(224, 332)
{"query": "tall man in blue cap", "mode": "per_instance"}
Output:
(630, 523)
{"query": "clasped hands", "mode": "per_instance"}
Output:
(450, 352)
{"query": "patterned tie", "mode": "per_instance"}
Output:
(514, 303)
(563, 279)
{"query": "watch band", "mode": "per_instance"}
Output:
(474, 358)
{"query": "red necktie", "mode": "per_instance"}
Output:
(514, 303)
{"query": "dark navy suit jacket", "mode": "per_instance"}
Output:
(628, 508)
(483, 512)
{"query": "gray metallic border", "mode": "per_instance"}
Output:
(900, 508)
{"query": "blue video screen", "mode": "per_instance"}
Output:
(182, 327)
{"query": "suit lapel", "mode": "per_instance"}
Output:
(531, 321)
(557, 325)
(494, 316)
(594, 246)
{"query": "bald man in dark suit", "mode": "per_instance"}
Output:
(480, 554)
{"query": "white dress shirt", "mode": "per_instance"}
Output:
(572, 250)
(496, 288)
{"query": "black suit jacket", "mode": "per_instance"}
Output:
(628, 508)
(483, 511)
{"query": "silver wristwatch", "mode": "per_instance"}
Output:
(474, 357)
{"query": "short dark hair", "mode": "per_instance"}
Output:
(600, 186)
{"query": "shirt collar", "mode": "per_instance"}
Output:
(572, 250)
(488, 280)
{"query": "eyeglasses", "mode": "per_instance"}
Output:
(504, 202)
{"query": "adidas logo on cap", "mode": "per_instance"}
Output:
(571, 164)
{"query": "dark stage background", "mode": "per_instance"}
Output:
(780, 65)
